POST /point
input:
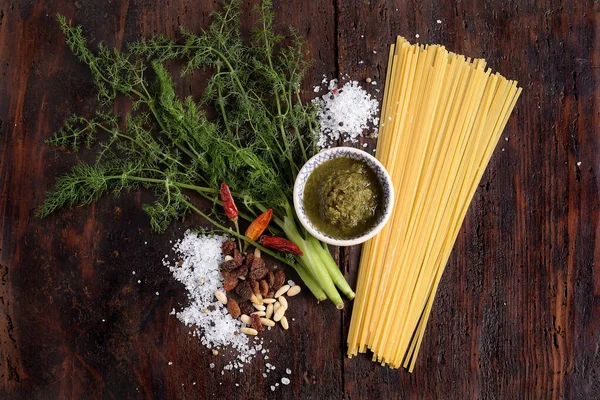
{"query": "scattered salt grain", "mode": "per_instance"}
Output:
(374, 52)
(365, 144)
(157, 293)
(439, 21)
(288, 371)
(264, 375)
(361, 62)
(506, 138)
(291, 283)
(344, 113)
(285, 381)
(272, 388)
(417, 35)
(103, 320)
(211, 365)
(133, 272)
(170, 362)
(317, 89)
(201, 256)
(139, 281)
(578, 163)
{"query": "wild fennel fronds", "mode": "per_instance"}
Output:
(260, 135)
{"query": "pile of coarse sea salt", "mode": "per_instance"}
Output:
(198, 269)
(344, 113)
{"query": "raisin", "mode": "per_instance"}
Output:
(233, 308)
(270, 279)
(249, 259)
(264, 287)
(279, 279)
(241, 271)
(228, 247)
(255, 323)
(237, 257)
(258, 269)
(270, 294)
(229, 265)
(230, 281)
(244, 290)
(247, 308)
(255, 286)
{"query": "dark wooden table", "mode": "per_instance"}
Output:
(517, 314)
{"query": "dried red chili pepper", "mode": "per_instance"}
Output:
(258, 226)
(281, 244)
(230, 209)
(228, 203)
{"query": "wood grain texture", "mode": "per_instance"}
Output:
(517, 314)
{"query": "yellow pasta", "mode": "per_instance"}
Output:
(441, 118)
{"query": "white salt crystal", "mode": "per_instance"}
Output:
(439, 21)
(288, 371)
(285, 381)
(578, 163)
(417, 35)
(157, 293)
(212, 324)
(272, 388)
(212, 365)
(316, 89)
(139, 281)
(291, 282)
(374, 52)
(133, 272)
(365, 144)
(170, 362)
(345, 113)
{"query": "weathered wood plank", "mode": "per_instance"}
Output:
(517, 312)
(75, 321)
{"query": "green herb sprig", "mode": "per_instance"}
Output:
(261, 134)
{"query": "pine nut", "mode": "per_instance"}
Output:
(259, 313)
(221, 296)
(282, 291)
(255, 300)
(259, 297)
(276, 305)
(215, 352)
(269, 312)
(257, 252)
(279, 314)
(245, 318)
(259, 308)
(267, 322)
(269, 301)
(283, 302)
(249, 331)
(228, 258)
(294, 290)
(284, 323)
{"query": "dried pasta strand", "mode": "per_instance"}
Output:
(441, 118)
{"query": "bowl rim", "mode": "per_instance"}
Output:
(303, 218)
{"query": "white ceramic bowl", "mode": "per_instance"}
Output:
(334, 152)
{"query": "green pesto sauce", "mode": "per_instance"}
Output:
(343, 197)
